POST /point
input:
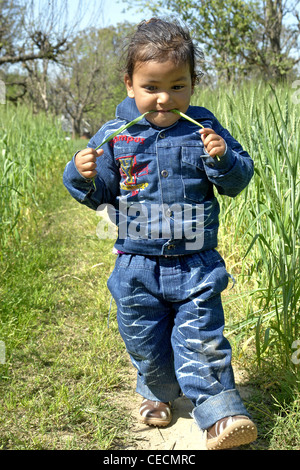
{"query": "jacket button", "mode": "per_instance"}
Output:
(171, 247)
(162, 135)
(164, 173)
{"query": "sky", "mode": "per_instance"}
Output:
(113, 13)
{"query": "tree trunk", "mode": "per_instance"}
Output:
(76, 126)
(273, 21)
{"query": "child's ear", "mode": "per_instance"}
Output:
(128, 84)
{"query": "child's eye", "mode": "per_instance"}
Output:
(178, 87)
(150, 88)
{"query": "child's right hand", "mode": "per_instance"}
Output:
(85, 162)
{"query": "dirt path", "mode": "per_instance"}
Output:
(182, 433)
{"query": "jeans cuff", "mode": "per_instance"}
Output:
(227, 403)
(164, 393)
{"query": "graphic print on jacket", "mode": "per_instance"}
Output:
(130, 172)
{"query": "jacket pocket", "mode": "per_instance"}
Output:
(195, 182)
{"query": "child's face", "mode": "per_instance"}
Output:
(160, 86)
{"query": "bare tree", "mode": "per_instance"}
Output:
(35, 29)
(36, 34)
(37, 82)
(88, 80)
(28, 32)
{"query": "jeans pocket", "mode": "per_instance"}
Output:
(215, 277)
(221, 279)
(113, 280)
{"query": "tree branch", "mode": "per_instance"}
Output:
(51, 52)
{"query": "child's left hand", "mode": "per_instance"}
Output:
(213, 143)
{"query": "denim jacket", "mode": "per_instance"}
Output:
(159, 183)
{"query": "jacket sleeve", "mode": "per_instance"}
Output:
(106, 187)
(234, 170)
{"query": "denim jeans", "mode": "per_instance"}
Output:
(171, 319)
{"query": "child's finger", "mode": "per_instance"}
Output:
(95, 153)
(90, 151)
(206, 131)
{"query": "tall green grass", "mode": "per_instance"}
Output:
(29, 148)
(265, 218)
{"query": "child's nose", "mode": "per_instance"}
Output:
(163, 97)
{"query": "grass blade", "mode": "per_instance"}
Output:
(186, 117)
(139, 118)
(123, 128)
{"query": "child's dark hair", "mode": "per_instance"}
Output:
(161, 40)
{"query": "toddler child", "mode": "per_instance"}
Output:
(158, 178)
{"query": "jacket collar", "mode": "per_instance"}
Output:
(128, 111)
